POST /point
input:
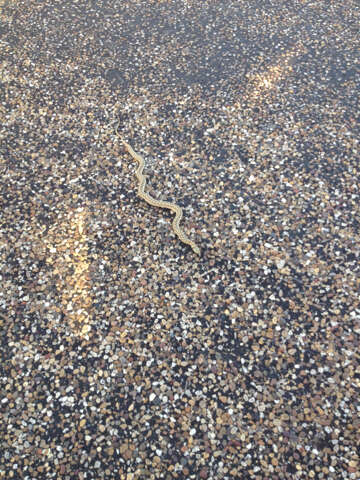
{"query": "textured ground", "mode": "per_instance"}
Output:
(123, 354)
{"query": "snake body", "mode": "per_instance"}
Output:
(158, 203)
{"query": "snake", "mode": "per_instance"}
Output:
(157, 203)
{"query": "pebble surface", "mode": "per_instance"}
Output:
(123, 354)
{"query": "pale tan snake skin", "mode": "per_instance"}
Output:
(157, 203)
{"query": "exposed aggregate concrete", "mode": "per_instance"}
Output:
(123, 354)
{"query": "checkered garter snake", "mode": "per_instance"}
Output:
(157, 203)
